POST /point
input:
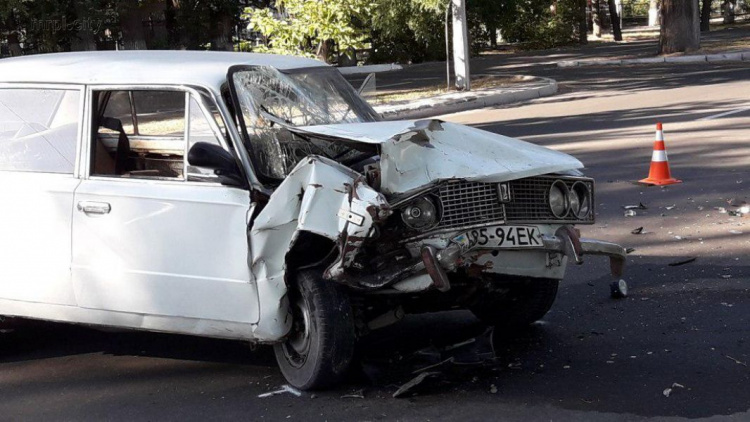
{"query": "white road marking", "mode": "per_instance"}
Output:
(726, 113)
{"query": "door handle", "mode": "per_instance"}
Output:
(91, 207)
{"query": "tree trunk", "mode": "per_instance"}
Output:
(615, 20)
(706, 16)
(583, 29)
(14, 45)
(728, 8)
(131, 24)
(596, 17)
(680, 26)
(222, 39)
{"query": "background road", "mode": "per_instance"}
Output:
(592, 357)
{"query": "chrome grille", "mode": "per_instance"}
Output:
(469, 203)
(530, 203)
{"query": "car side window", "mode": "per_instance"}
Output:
(145, 134)
(39, 129)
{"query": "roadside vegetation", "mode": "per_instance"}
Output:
(346, 31)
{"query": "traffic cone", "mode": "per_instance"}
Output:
(659, 173)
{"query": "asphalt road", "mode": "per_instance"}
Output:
(592, 358)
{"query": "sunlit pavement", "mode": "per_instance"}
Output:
(592, 358)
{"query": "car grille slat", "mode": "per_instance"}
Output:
(470, 204)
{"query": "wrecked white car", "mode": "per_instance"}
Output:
(258, 197)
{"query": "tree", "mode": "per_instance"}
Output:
(728, 10)
(615, 21)
(680, 27)
(706, 16)
(310, 27)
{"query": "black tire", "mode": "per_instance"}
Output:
(516, 304)
(319, 350)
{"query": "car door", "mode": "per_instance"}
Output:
(39, 137)
(152, 235)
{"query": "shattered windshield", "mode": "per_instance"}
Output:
(301, 97)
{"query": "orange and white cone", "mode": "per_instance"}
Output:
(659, 173)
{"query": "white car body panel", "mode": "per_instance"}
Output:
(171, 249)
(309, 200)
(35, 230)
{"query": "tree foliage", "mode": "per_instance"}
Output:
(309, 27)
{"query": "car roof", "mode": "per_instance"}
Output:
(202, 68)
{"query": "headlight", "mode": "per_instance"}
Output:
(580, 200)
(559, 199)
(422, 213)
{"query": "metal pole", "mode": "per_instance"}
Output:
(461, 46)
(447, 49)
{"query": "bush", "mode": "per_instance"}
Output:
(534, 24)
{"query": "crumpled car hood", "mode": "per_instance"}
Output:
(418, 153)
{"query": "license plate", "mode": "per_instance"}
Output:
(500, 237)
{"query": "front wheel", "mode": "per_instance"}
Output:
(319, 349)
(516, 304)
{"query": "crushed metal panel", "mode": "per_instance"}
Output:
(309, 200)
(419, 153)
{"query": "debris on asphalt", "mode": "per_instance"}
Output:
(449, 360)
(640, 206)
(735, 232)
(493, 389)
(721, 210)
(668, 391)
(670, 208)
(745, 209)
(619, 289)
(630, 213)
(360, 394)
(639, 230)
(412, 385)
(629, 250)
(682, 262)
(737, 361)
(284, 389)
(461, 344)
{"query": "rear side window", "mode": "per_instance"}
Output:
(39, 129)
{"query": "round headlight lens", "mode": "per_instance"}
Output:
(559, 199)
(422, 213)
(582, 193)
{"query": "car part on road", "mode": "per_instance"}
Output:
(619, 289)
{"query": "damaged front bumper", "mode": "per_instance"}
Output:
(566, 241)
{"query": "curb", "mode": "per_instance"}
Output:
(452, 103)
(372, 68)
(723, 57)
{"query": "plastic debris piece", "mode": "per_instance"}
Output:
(493, 389)
(735, 232)
(618, 289)
(669, 390)
(671, 207)
(737, 361)
(745, 209)
(284, 389)
(640, 206)
(639, 230)
(355, 395)
(682, 262)
(410, 386)
(449, 360)
(721, 210)
(630, 213)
